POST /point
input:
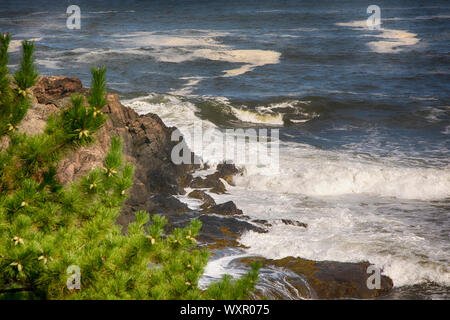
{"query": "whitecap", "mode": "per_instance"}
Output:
(394, 41)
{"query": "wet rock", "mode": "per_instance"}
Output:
(146, 143)
(330, 279)
(227, 208)
(211, 181)
(294, 223)
(226, 171)
(208, 201)
(219, 189)
(159, 181)
(224, 231)
(184, 181)
(262, 222)
(166, 203)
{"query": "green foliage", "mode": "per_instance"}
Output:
(45, 226)
(98, 91)
(27, 75)
(14, 100)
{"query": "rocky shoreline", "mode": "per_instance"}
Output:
(147, 145)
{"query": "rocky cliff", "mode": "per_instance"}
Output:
(146, 142)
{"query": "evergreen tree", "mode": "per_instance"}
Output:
(46, 227)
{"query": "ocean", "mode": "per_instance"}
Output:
(363, 115)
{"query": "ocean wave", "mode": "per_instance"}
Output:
(256, 117)
(313, 172)
(304, 169)
(394, 41)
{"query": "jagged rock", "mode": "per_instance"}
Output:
(227, 208)
(294, 223)
(167, 203)
(53, 89)
(184, 181)
(262, 222)
(226, 171)
(208, 201)
(146, 143)
(211, 181)
(220, 232)
(288, 222)
(329, 279)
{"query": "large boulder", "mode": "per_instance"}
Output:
(328, 279)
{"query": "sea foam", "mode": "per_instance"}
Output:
(393, 41)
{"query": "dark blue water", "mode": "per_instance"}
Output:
(335, 86)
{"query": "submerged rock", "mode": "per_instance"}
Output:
(288, 222)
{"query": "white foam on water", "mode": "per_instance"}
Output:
(393, 41)
(256, 117)
(250, 58)
(96, 55)
(179, 39)
(325, 190)
(188, 87)
(181, 46)
(268, 114)
(49, 63)
(173, 110)
(336, 238)
(16, 45)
